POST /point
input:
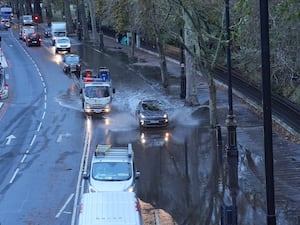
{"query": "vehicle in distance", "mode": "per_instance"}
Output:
(58, 30)
(33, 39)
(112, 169)
(149, 113)
(62, 44)
(27, 20)
(71, 64)
(47, 32)
(110, 208)
(6, 11)
(25, 30)
(6, 22)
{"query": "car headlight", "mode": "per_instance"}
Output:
(165, 115)
(130, 189)
(88, 106)
(107, 108)
(142, 116)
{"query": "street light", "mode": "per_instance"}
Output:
(231, 147)
(267, 111)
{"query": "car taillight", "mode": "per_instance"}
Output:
(81, 208)
(137, 206)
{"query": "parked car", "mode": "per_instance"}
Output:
(71, 64)
(149, 113)
(33, 39)
(62, 44)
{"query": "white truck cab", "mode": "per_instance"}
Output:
(110, 208)
(112, 169)
(96, 91)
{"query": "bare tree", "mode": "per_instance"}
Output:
(204, 30)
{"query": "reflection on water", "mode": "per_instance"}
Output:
(154, 137)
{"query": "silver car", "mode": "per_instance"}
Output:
(149, 113)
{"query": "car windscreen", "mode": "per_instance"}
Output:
(60, 34)
(97, 91)
(63, 41)
(111, 171)
(151, 106)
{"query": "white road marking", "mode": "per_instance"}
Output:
(14, 175)
(80, 181)
(39, 127)
(33, 139)
(9, 138)
(64, 206)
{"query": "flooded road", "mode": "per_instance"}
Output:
(183, 170)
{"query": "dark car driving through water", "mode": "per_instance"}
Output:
(149, 113)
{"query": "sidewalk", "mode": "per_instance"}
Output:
(286, 148)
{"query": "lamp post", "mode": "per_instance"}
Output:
(231, 147)
(182, 72)
(267, 111)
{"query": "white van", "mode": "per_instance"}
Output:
(27, 20)
(110, 208)
(112, 169)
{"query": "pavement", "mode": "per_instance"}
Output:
(286, 147)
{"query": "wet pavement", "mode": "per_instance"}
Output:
(251, 167)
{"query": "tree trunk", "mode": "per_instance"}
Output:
(163, 64)
(83, 22)
(132, 44)
(70, 27)
(93, 21)
(190, 64)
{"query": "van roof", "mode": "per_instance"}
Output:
(107, 153)
(109, 208)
